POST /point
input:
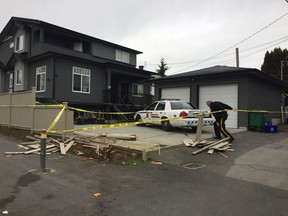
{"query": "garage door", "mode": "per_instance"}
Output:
(182, 93)
(227, 93)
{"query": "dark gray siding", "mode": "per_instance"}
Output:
(48, 62)
(264, 95)
(108, 52)
(5, 51)
(63, 82)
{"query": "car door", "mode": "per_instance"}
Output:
(156, 114)
(149, 110)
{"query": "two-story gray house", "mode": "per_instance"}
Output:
(69, 66)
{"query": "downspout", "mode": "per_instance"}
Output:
(54, 78)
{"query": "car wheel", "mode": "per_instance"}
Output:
(138, 119)
(166, 126)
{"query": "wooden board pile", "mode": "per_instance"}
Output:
(52, 145)
(99, 146)
(210, 146)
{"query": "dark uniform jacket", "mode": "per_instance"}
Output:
(217, 106)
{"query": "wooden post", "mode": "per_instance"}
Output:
(65, 116)
(199, 127)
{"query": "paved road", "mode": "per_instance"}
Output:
(252, 181)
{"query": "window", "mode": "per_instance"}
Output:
(11, 80)
(152, 89)
(19, 43)
(18, 77)
(161, 106)
(137, 90)
(41, 79)
(81, 80)
(122, 56)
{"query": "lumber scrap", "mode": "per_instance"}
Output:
(69, 145)
(13, 153)
(209, 146)
(222, 144)
(121, 136)
(210, 151)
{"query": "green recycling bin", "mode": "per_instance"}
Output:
(257, 121)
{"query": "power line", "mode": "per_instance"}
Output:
(245, 39)
(275, 42)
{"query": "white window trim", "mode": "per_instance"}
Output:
(40, 72)
(120, 56)
(138, 94)
(11, 80)
(82, 74)
(20, 44)
(18, 77)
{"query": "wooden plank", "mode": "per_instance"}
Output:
(23, 147)
(30, 143)
(32, 138)
(229, 149)
(62, 148)
(67, 141)
(222, 154)
(54, 140)
(209, 146)
(210, 151)
(220, 145)
(69, 145)
(38, 149)
(13, 153)
(187, 142)
(35, 146)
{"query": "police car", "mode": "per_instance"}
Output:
(173, 113)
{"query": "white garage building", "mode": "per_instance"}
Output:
(242, 88)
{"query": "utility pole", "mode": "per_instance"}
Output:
(237, 57)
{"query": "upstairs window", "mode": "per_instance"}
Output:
(137, 90)
(41, 79)
(19, 43)
(122, 56)
(18, 77)
(81, 80)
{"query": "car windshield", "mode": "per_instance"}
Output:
(44, 100)
(182, 105)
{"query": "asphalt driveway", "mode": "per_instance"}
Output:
(252, 181)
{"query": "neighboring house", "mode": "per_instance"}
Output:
(69, 66)
(242, 88)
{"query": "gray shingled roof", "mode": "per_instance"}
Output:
(208, 71)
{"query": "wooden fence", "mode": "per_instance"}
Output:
(18, 110)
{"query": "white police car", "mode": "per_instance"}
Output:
(172, 113)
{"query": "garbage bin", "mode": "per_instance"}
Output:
(257, 121)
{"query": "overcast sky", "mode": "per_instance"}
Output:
(188, 34)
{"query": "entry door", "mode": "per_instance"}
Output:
(124, 92)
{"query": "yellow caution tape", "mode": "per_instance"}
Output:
(56, 119)
(148, 121)
(114, 125)
(99, 112)
(29, 106)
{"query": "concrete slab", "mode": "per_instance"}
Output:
(150, 138)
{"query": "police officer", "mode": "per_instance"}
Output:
(218, 110)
